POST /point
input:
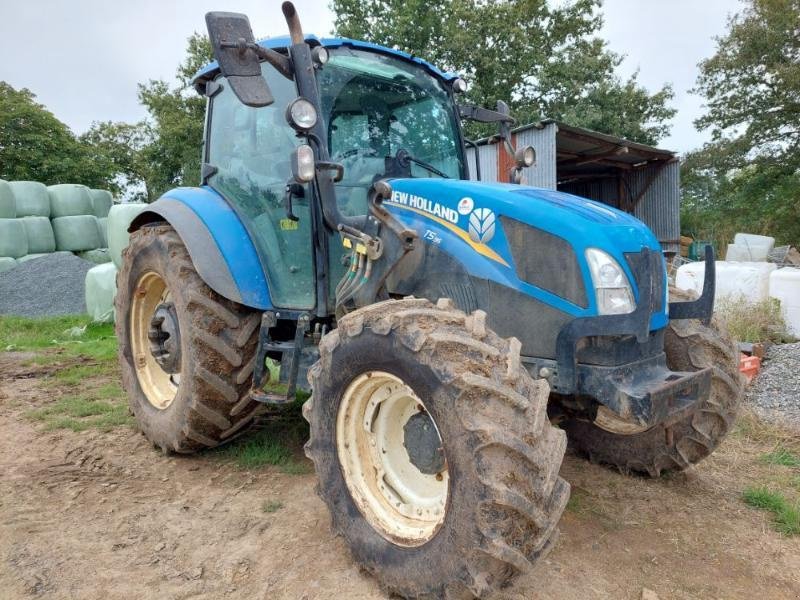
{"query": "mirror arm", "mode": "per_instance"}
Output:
(281, 63)
(472, 112)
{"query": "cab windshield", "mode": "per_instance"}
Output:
(375, 106)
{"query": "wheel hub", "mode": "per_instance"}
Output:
(164, 336)
(421, 441)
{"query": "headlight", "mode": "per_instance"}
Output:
(525, 157)
(301, 114)
(611, 286)
(303, 165)
(319, 55)
(459, 86)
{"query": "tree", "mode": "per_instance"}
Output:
(34, 144)
(118, 148)
(544, 60)
(176, 113)
(748, 176)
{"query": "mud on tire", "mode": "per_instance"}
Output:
(689, 346)
(503, 456)
(218, 343)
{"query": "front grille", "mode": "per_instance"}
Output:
(639, 262)
(545, 260)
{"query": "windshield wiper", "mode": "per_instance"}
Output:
(404, 157)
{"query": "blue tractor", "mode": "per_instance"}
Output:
(454, 334)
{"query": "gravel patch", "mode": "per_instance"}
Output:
(775, 392)
(47, 286)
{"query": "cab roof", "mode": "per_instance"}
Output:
(211, 70)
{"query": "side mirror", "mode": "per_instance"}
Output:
(235, 50)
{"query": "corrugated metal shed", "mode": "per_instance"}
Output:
(634, 177)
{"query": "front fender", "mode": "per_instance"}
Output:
(220, 247)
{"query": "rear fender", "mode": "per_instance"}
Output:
(218, 242)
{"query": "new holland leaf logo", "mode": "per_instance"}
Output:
(481, 225)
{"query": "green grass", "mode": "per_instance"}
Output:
(785, 516)
(782, 457)
(81, 412)
(86, 355)
(70, 336)
(271, 506)
(277, 442)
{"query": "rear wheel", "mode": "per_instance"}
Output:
(433, 449)
(186, 353)
(689, 346)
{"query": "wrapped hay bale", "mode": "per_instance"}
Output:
(8, 208)
(102, 229)
(69, 200)
(40, 234)
(101, 202)
(101, 287)
(119, 219)
(98, 256)
(13, 241)
(31, 198)
(7, 263)
(76, 233)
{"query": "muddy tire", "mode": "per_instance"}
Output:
(689, 346)
(502, 457)
(209, 404)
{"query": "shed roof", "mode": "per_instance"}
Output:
(586, 154)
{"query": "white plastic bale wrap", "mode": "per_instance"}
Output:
(119, 219)
(76, 233)
(8, 207)
(745, 253)
(31, 198)
(751, 239)
(102, 229)
(734, 280)
(784, 285)
(7, 263)
(13, 241)
(69, 200)
(101, 287)
(40, 235)
(101, 202)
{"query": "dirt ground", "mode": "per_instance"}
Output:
(102, 515)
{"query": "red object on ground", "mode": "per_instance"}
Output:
(749, 366)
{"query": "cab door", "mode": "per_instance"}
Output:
(250, 149)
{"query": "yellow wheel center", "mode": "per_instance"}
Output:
(159, 387)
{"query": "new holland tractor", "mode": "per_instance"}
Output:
(454, 334)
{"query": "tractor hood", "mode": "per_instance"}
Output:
(466, 219)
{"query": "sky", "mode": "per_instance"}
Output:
(84, 58)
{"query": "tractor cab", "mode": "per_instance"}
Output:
(381, 116)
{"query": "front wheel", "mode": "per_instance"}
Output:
(689, 346)
(433, 449)
(186, 353)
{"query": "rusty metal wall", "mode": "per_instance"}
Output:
(541, 174)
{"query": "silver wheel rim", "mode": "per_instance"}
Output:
(403, 504)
